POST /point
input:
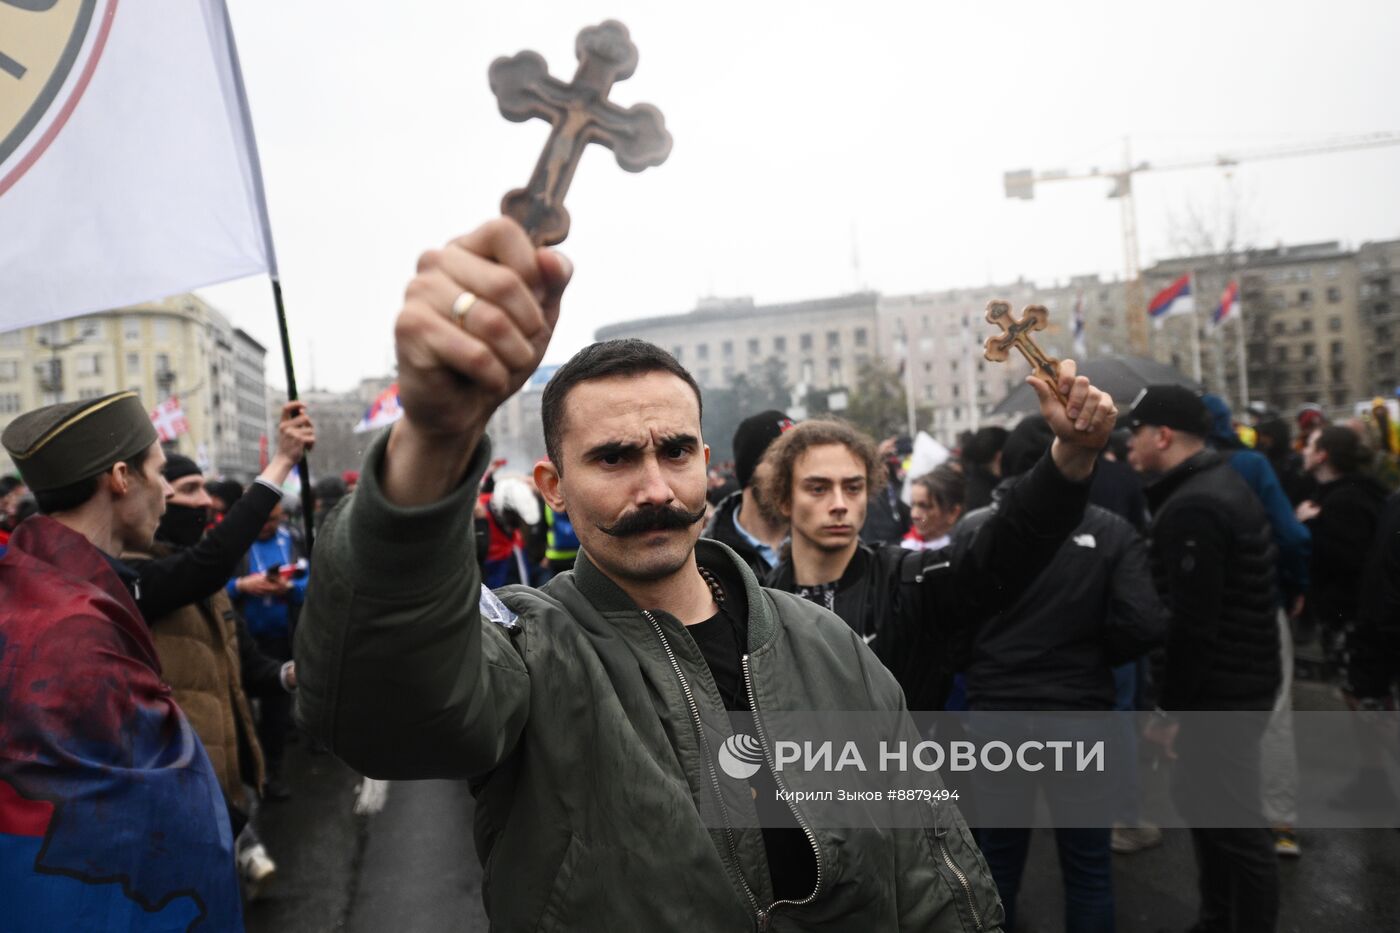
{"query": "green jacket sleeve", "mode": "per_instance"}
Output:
(397, 671)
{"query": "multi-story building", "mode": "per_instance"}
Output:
(178, 346)
(1305, 339)
(819, 344)
(1379, 313)
(822, 344)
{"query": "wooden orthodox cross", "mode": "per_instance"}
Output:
(580, 113)
(1018, 334)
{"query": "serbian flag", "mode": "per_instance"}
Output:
(111, 817)
(1174, 299)
(169, 419)
(1229, 305)
(382, 412)
(128, 169)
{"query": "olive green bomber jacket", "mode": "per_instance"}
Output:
(574, 722)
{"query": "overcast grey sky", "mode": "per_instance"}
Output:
(801, 130)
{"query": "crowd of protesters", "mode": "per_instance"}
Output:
(1206, 552)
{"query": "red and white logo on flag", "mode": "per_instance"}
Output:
(169, 419)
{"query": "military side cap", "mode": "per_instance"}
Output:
(58, 445)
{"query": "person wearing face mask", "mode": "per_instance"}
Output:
(199, 564)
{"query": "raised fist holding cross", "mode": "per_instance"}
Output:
(1081, 416)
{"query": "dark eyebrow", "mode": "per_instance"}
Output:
(680, 440)
(611, 449)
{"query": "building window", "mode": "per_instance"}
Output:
(1280, 354)
(90, 364)
(753, 347)
(928, 367)
(726, 349)
(133, 362)
(833, 340)
(1336, 348)
(1334, 324)
(48, 333)
(162, 329)
(12, 338)
(808, 372)
(9, 403)
(703, 377)
(833, 371)
(1276, 328)
(1305, 326)
(1309, 351)
(928, 393)
(131, 328)
(1305, 297)
(9, 370)
(162, 363)
(677, 353)
(779, 344)
(1334, 294)
(806, 342)
(702, 351)
(862, 337)
(97, 392)
(957, 391)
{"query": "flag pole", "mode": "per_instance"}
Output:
(1240, 349)
(254, 166)
(308, 497)
(1195, 331)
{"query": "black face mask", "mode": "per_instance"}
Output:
(182, 525)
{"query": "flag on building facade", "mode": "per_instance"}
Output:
(1081, 349)
(382, 412)
(1229, 305)
(128, 168)
(1174, 299)
(169, 419)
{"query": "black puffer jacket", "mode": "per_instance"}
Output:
(1341, 537)
(1213, 560)
(1094, 607)
(1373, 647)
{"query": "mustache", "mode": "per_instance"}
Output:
(652, 518)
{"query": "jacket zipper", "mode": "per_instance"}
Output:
(760, 915)
(962, 879)
(764, 916)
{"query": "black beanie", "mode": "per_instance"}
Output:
(755, 433)
(178, 466)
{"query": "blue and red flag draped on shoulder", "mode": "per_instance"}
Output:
(1174, 299)
(110, 815)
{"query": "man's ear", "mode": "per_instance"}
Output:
(118, 479)
(546, 476)
(707, 459)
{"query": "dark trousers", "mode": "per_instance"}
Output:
(1216, 784)
(1085, 865)
(275, 720)
(1073, 799)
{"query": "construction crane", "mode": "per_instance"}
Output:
(1020, 184)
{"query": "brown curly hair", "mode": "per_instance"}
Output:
(793, 443)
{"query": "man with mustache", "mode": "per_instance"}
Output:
(584, 714)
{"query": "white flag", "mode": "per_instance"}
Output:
(128, 169)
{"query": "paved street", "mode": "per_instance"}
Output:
(413, 867)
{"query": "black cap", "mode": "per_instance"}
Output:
(751, 440)
(1170, 406)
(178, 466)
(1026, 444)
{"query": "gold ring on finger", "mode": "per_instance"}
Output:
(460, 306)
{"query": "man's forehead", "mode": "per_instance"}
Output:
(829, 461)
(625, 408)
